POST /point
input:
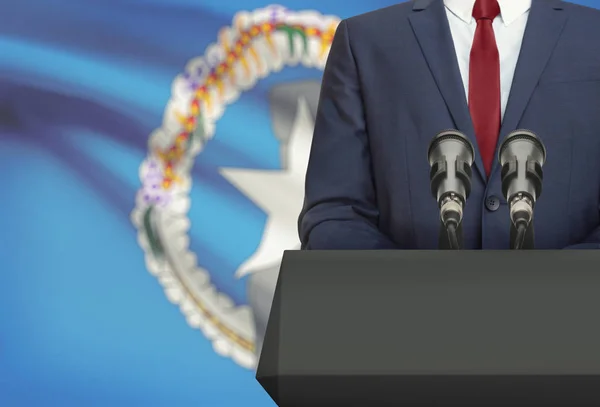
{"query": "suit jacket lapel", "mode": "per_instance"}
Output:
(544, 27)
(430, 25)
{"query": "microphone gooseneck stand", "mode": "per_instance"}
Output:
(451, 237)
(522, 237)
(518, 236)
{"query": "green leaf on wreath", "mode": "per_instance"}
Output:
(156, 246)
(197, 134)
(292, 32)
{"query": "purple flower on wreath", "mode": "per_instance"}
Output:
(277, 13)
(152, 190)
(193, 78)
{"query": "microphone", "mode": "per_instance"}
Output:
(450, 157)
(522, 156)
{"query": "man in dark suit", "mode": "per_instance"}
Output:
(396, 77)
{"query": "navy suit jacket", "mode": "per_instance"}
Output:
(392, 83)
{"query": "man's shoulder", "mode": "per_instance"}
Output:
(382, 18)
(384, 13)
(583, 13)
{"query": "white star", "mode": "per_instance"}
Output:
(280, 193)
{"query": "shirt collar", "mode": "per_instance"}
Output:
(510, 10)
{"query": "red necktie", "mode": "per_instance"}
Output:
(484, 81)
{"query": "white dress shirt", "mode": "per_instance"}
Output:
(509, 28)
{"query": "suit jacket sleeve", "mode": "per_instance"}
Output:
(339, 210)
(592, 241)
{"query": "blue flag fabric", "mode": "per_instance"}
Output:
(152, 158)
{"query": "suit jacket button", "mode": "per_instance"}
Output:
(492, 203)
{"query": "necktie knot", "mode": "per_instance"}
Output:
(486, 10)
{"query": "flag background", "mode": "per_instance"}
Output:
(82, 85)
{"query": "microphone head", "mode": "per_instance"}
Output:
(522, 155)
(451, 142)
(450, 156)
(522, 143)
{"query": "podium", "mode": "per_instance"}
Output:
(434, 328)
